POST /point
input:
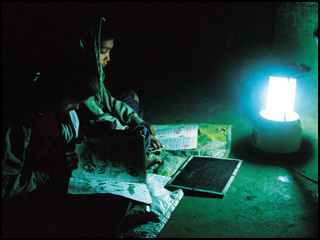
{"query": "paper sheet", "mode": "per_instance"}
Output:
(111, 165)
(177, 137)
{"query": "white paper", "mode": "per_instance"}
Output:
(164, 202)
(111, 165)
(177, 137)
(136, 191)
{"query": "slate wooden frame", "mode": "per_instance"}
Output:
(206, 174)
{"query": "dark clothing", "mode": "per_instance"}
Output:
(45, 213)
(35, 179)
(33, 153)
(105, 124)
(35, 176)
(128, 98)
(103, 107)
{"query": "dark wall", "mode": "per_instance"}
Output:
(294, 41)
(157, 42)
(33, 34)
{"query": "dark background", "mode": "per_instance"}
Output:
(181, 40)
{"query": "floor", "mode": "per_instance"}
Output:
(204, 81)
(268, 197)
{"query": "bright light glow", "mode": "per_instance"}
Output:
(280, 99)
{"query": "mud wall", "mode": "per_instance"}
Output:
(294, 27)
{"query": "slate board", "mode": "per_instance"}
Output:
(206, 174)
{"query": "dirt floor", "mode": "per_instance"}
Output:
(264, 200)
(267, 197)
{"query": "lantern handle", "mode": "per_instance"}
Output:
(304, 69)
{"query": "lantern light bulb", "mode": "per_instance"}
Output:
(280, 99)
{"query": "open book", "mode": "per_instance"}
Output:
(113, 165)
(177, 137)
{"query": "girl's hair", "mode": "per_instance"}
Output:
(75, 76)
(82, 76)
(108, 31)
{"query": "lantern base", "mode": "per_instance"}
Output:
(277, 136)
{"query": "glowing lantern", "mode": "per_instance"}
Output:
(278, 127)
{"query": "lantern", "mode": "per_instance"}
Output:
(277, 128)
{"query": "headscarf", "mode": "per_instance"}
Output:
(91, 42)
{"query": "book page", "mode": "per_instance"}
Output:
(135, 191)
(111, 165)
(177, 137)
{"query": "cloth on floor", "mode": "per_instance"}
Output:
(213, 140)
(164, 203)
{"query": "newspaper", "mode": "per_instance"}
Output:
(111, 165)
(177, 137)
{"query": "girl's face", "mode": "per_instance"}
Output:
(105, 48)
